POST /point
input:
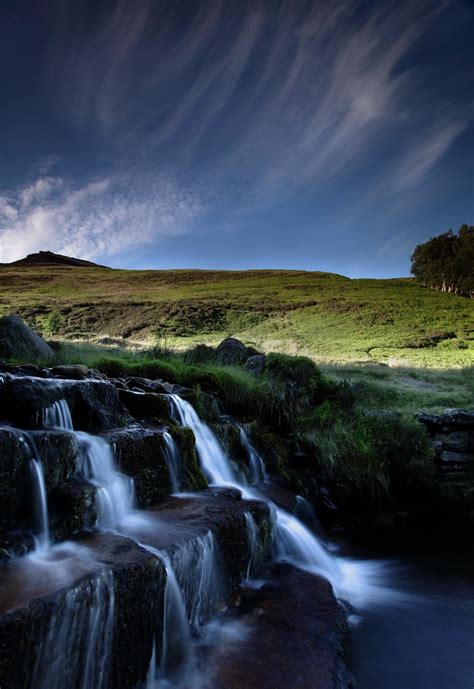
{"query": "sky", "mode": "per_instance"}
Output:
(326, 135)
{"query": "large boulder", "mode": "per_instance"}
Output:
(18, 341)
(232, 351)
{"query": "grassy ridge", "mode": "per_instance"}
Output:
(325, 316)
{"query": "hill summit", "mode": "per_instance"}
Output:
(50, 258)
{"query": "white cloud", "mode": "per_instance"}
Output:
(424, 153)
(292, 92)
(101, 218)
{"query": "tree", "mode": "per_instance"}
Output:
(446, 262)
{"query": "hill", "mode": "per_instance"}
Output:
(46, 258)
(326, 316)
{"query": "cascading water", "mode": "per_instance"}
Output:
(57, 415)
(252, 540)
(257, 466)
(79, 639)
(173, 461)
(196, 569)
(213, 460)
(40, 507)
(293, 541)
(191, 570)
(114, 498)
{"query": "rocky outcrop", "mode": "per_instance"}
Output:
(452, 437)
(296, 627)
(18, 341)
(104, 580)
(452, 434)
(141, 453)
(94, 404)
(232, 351)
(41, 607)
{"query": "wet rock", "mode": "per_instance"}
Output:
(33, 600)
(94, 404)
(281, 496)
(141, 454)
(14, 452)
(145, 405)
(296, 636)
(256, 364)
(18, 341)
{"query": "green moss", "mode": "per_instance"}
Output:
(194, 478)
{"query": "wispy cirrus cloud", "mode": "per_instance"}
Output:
(101, 218)
(292, 91)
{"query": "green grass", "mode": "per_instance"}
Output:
(329, 414)
(330, 318)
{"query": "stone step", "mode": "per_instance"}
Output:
(36, 590)
(295, 635)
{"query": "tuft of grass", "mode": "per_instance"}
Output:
(355, 422)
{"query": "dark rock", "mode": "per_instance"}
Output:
(73, 372)
(94, 404)
(281, 496)
(456, 457)
(14, 452)
(256, 364)
(458, 441)
(297, 637)
(140, 453)
(18, 341)
(145, 405)
(232, 351)
(33, 602)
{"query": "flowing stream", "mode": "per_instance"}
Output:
(357, 582)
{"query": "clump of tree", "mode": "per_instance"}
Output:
(446, 262)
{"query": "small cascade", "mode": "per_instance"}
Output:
(211, 455)
(196, 568)
(253, 542)
(40, 507)
(58, 416)
(177, 654)
(173, 461)
(293, 541)
(79, 639)
(257, 466)
(114, 500)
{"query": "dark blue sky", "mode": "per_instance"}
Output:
(222, 134)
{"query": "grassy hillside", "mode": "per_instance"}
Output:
(328, 317)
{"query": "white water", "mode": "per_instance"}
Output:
(257, 466)
(360, 583)
(252, 540)
(58, 416)
(173, 458)
(211, 455)
(114, 497)
(79, 639)
(40, 507)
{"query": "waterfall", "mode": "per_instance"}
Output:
(40, 507)
(257, 466)
(114, 498)
(57, 416)
(293, 541)
(211, 455)
(79, 638)
(252, 540)
(177, 654)
(173, 461)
